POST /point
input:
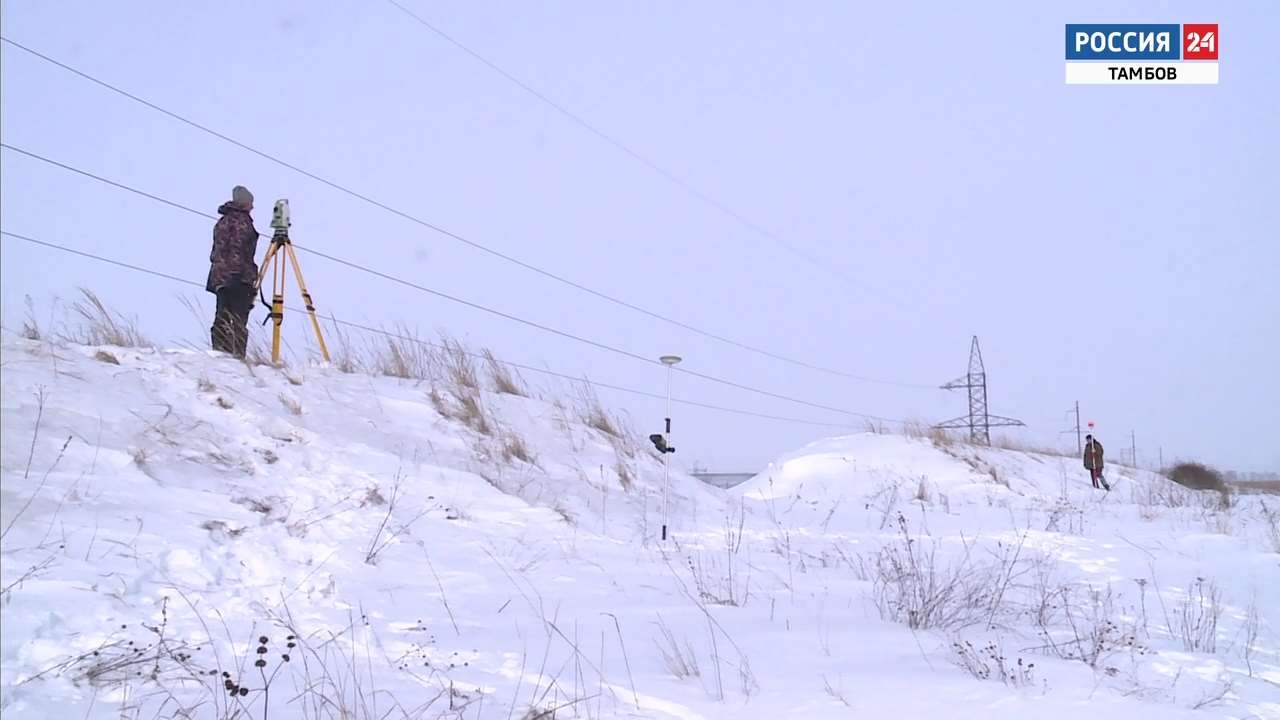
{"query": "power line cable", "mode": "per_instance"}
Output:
(454, 236)
(473, 305)
(407, 338)
(634, 154)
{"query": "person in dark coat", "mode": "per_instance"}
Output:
(1093, 461)
(233, 273)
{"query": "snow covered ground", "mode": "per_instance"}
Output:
(420, 550)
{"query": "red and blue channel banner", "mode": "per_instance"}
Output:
(1142, 54)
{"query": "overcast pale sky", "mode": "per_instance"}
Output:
(921, 172)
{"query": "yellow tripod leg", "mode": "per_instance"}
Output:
(277, 306)
(306, 299)
(266, 263)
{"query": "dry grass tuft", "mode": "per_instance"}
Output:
(30, 325)
(876, 427)
(293, 406)
(343, 356)
(625, 476)
(257, 353)
(400, 354)
(918, 429)
(472, 413)
(1005, 442)
(515, 448)
(98, 325)
(438, 402)
(459, 366)
(592, 413)
(506, 379)
(106, 357)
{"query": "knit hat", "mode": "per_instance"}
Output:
(241, 196)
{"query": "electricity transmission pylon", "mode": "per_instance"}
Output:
(979, 421)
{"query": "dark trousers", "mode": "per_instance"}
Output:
(230, 331)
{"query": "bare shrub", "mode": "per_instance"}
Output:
(1196, 477)
(1065, 517)
(1220, 520)
(1272, 520)
(1251, 627)
(884, 500)
(1162, 493)
(1093, 629)
(506, 379)
(718, 576)
(98, 325)
(389, 530)
(1196, 621)
(990, 663)
(875, 427)
(914, 587)
(287, 671)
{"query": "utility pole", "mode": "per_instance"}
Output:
(979, 421)
(1161, 468)
(1079, 442)
(1133, 448)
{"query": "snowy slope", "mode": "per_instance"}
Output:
(163, 514)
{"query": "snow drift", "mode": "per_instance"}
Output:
(188, 536)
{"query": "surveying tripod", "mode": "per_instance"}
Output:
(273, 262)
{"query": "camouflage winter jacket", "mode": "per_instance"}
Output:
(1093, 455)
(235, 242)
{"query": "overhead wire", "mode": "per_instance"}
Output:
(455, 236)
(408, 338)
(636, 155)
(452, 298)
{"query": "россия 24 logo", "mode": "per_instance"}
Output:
(1150, 54)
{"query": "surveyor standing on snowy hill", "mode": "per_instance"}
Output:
(233, 274)
(1093, 461)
